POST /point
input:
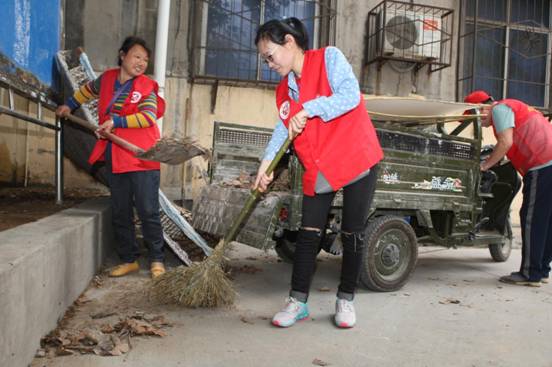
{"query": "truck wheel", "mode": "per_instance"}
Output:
(500, 252)
(285, 246)
(390, 255)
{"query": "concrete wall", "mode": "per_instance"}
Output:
(191, 110)
(44, 267)
(351, 30)
(101, 25)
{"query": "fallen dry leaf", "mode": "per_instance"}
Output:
(319, 362)
(450, 301)
(245, 178)
(138, 327)
(102, 314)
(247, 269)
(81, 300)
(107, 328)
(112, 346)
(104, 339)
(158, 321)
(90, 337)
(245, 320)
(97, 281)
(324, 289)
(64, 352)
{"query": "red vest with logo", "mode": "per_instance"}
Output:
(532, 140)
(341, 149)
(123, 160)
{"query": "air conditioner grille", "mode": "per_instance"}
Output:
(401, 32)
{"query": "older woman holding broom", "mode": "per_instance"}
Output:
(128, 107)
(320, 108)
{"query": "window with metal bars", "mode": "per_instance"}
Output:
(505, 49)
(224, 34)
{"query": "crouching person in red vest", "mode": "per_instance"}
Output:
(128, 107)
(321, 108)
(525, 137)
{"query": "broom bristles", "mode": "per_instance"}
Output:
(202, 284)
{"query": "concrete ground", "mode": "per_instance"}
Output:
(493, 324)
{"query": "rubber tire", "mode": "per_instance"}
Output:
(376, 231)
(500, 252)
(285, 246)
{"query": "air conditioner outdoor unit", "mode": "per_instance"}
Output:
(410, 35)
(430, 37)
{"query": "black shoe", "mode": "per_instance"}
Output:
(517, 278)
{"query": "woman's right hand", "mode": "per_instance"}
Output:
(297, 124)
(63, 110)
(263, 180)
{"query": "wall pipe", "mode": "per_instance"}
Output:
(161, 40)
(59, 162)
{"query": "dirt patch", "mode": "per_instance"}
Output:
(24, 205)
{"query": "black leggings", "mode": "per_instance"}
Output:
(357, 198)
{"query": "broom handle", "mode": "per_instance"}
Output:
(254, 195)
(114, 138)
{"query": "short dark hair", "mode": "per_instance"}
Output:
(129, 43)
(276, 30)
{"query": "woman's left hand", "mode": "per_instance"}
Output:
(104, 128)
(297, 123)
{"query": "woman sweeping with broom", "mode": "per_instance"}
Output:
(320, 108)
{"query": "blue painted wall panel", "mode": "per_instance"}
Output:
(30, 35)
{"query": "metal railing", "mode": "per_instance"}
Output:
(57, 127)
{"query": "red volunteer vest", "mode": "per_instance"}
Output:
(341, 149)
(122, 159)
(532, 140)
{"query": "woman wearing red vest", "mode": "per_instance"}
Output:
(320, 107)
(525, 137)
(128, 107)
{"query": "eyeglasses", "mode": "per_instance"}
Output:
(270, 57)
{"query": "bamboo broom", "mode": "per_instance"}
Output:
(206, 284)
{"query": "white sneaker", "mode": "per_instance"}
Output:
(293, 312)
(345, 316)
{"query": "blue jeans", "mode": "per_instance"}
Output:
(140, 189)
(536, 224)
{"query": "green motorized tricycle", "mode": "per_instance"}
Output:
(430, 191)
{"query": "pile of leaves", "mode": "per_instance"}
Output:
(102, 338)
(245, 181)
